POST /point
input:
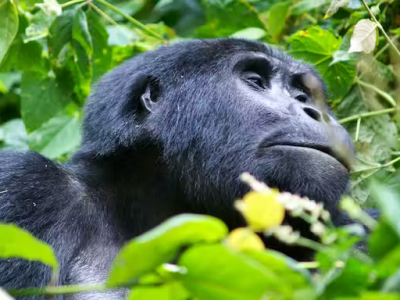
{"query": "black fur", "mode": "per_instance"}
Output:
(168, 132)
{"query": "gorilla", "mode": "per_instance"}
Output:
(168, 132)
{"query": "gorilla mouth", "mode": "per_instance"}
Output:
(321, 148)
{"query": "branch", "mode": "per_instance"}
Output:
(368, 114)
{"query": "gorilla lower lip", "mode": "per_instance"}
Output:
(319, 148)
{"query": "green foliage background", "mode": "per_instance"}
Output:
(51, 53)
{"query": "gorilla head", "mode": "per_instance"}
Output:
(181, 123)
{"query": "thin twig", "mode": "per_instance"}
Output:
(102, 13)
(71, 3)
(380, 27)
(132, 20)
(368, 114)
(385, 95)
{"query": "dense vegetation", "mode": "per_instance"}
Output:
(52, 52)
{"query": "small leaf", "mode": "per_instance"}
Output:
(214, 272)
(18, 243)
(334, 7)
(162, 243)
(277, 15)
(307, 5)
(251, 33)
(8, 25)
(364, 37)
(58, 136)
(60, 32)
(121, 35)
(50, 7)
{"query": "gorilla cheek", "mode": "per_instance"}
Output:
(303, 171)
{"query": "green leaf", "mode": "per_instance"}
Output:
(382, 240)
(80, 32)
(58, 136)
(250, 33)
(225, 17)
(162, 243)
(307, 5)
(317, 46)
(18, 243)
(277, 17)
(13, 135)
(8, 25)
(102, 53)
(39, 26)
(42, 98)
(349, 281)
(120, 35)
(214, 272)
(389, 203)
(167, 291)
(60, 32)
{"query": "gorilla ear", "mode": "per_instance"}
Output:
(149, 97)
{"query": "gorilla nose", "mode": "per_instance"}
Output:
(313, 113)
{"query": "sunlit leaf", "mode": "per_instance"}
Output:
(8, 25)
(250, 33)
(18, 243)
(162, 243)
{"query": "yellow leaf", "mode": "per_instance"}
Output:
(262, 210)
(244, 239)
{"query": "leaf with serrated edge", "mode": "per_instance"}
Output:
(364, 37)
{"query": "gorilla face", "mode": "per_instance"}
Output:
(217, 108)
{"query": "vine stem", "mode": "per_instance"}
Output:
(380, 27)
(385, 95)
(368, 114)
(102, 13)
(132, 20)
(69, 3)
(60, 290)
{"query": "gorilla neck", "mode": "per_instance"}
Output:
(131, 187)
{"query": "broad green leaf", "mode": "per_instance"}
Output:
(282, 266)
(225, 17)
(166, 291)
(382, 240)
(317, 46)
(364, 37)
(60, 32)
(80, 32)
(58, 136)
(214, 272)
(305, 6)
(389, 203)
(334, 7)
(18, 243)
(162, 243)
(42, 98)
(277, 17)
(120, 35)
(349, 281)
(8, 25)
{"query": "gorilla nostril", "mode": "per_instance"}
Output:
(313, 113)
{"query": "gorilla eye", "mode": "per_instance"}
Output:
(302, 98)
(255, 80)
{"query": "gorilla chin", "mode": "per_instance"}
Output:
(306, 172)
